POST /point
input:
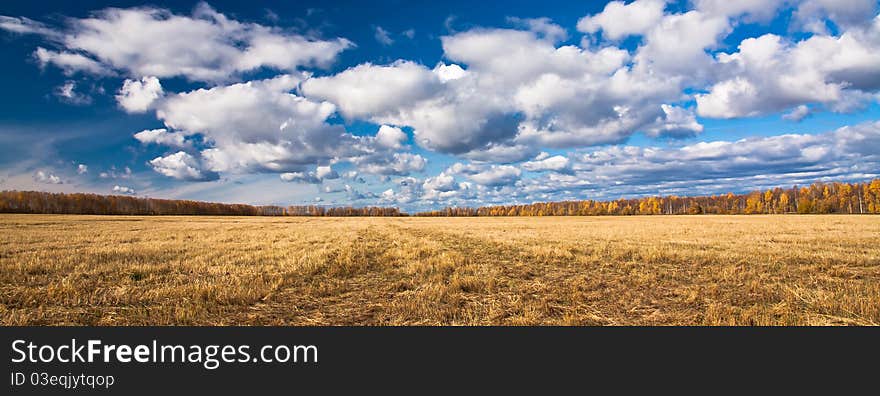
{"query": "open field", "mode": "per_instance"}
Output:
(652, 270)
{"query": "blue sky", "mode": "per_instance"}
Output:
(429, 105)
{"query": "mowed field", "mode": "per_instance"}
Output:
(641, 270)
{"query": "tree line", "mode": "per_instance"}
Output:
(80, 203)
(818, 198)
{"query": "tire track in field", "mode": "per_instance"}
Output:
(379, 278)
(346, 288)
(524, 285)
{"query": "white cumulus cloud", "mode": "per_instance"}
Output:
(183, 166)
(124, 190)
(148, 41)
(619, 19)
(164, 137)
(137, 96)
(47, 177)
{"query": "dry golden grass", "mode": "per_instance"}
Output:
(694, 270)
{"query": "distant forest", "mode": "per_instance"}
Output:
(818, 198)
(79, 203)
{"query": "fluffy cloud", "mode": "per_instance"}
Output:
(440, 183)
(520, 91)
(390, 137)
(496, 175)
(544, 162)
(163, 137)
(517, 88)
(258, 126)
(46, 177)
(82, 169)
(619, 20)
(401, 164)
(849, 152)
(299, 177)
(182, 166)
(124, 190)
(677, 45)
(70, 63)
(770, 74)
(253, 111)
(502, 153)
(356, 195)
(126, 40)
(676, 122)
(372, 89)
(797, 114)
(714, 167)
(113, 173)
(137, 96)
(449, 72)
(444, 118)
(444, 188)
(440, 189)
(326, 173)
(319, 175)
